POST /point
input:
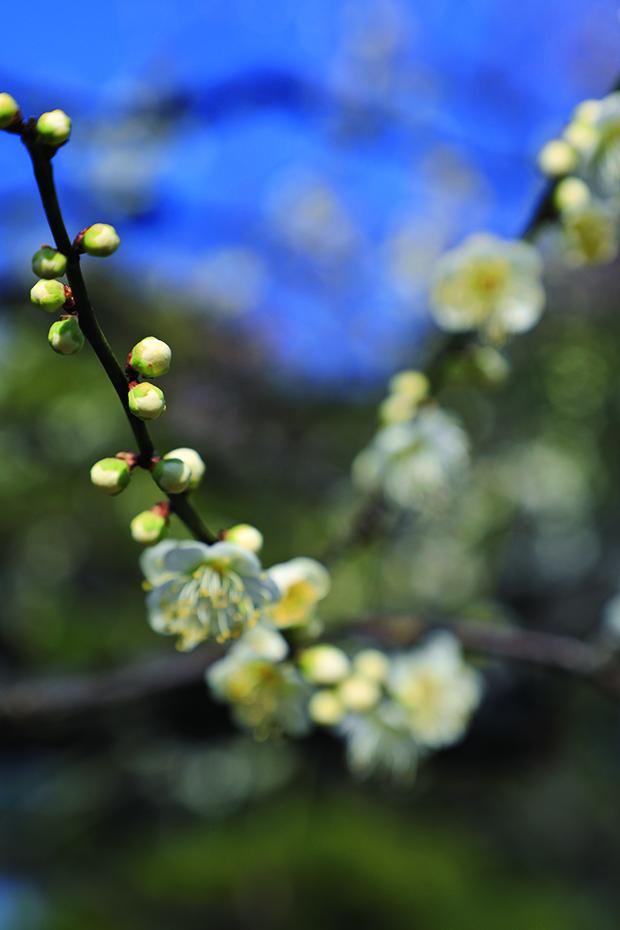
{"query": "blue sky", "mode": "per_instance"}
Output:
(296, 166)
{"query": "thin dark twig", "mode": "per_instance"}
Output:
(44, 175)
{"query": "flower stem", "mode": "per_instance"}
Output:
(89, 324)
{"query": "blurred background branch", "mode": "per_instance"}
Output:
(33, 699)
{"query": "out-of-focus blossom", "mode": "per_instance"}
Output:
(590, 234)
(380, 742)
(415, 464)
(489, 284)
(437, 689)
(268, 696)
(596, 126)
(302, 583)
(408, 389)
(199, 592)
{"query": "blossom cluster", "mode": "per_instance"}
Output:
(493, 285)
(390, 709)
(585, 161)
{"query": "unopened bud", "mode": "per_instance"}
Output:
(49, 295)
(111, 475)
(101, 240)
(48, 263)
(359, 693)
(193, 461)
(324, 664)
(151, 357)
(148, 527)
(571, 194)
(9, 110)
(246, 536)
(412, 384)
(54, 127)
(372, 663)
(65, 336)
(557, 157)
(172, 475)
(326, 708)
(146, 401)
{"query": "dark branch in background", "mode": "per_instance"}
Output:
(41, 156)
(41, 699)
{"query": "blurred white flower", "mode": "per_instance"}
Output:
(437, 689)
(489, 284)
(267, 696)
(302, 583)
(415, 464)
(596, 126)
(380, 742)
(590, 233)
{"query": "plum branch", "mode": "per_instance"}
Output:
(41, 155)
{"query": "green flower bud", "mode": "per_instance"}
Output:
(246, 536)
(101, 240)
(111, 475)
(65, 336)
(9, 109)
(172, 475)
(324, 664)
(49, 295)
(412, 384)
(146, 401)
(326, 708)
(151, 357)
(54, 127)
(193, 461)
(148, 527)
(557, 157)
(371, 663)
(359, 693)
(571, 194)
(48, 263)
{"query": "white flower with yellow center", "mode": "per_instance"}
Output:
(489, 284)
(199, 592)
(437, 689)
(302, 583)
